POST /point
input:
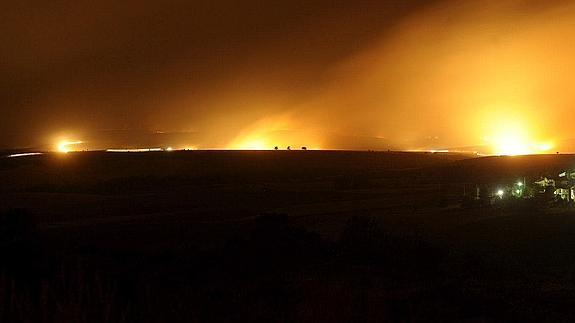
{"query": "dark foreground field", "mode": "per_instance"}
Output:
(301, 236)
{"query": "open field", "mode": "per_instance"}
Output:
(280, 236)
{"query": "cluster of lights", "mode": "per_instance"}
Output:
(66, 146)
(500, 192)
(139, 150)
(519, 187)
(135, 150)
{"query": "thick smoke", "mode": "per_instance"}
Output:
(324, 74)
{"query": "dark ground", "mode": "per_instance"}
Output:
(298, 236)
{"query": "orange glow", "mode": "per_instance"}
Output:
(253, 144)
(418, 80)
(64, 146)
(511, 144)
(277, 131)
(515, 137)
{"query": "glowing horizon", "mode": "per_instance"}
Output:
(64, 146)
(430, 77)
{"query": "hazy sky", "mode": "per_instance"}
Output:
(317, 73)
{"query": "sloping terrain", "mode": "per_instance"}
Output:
(278, 236)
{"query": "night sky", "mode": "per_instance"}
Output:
(255, 74)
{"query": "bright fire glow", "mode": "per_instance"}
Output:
(64, 146)
(512, 145)
(253, 144)
(258, 135)
(512, 138)
(274, 131)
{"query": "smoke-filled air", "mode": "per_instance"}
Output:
(492, 77)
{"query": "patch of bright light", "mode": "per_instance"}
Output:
(500, 193)
(169, 149)
(134, 150)
(544, 147)
(64, 146)
(253, 144)
(23, 155)
(520, 184)
(512, 138)
(511, 144)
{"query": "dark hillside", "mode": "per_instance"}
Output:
(223, 236)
